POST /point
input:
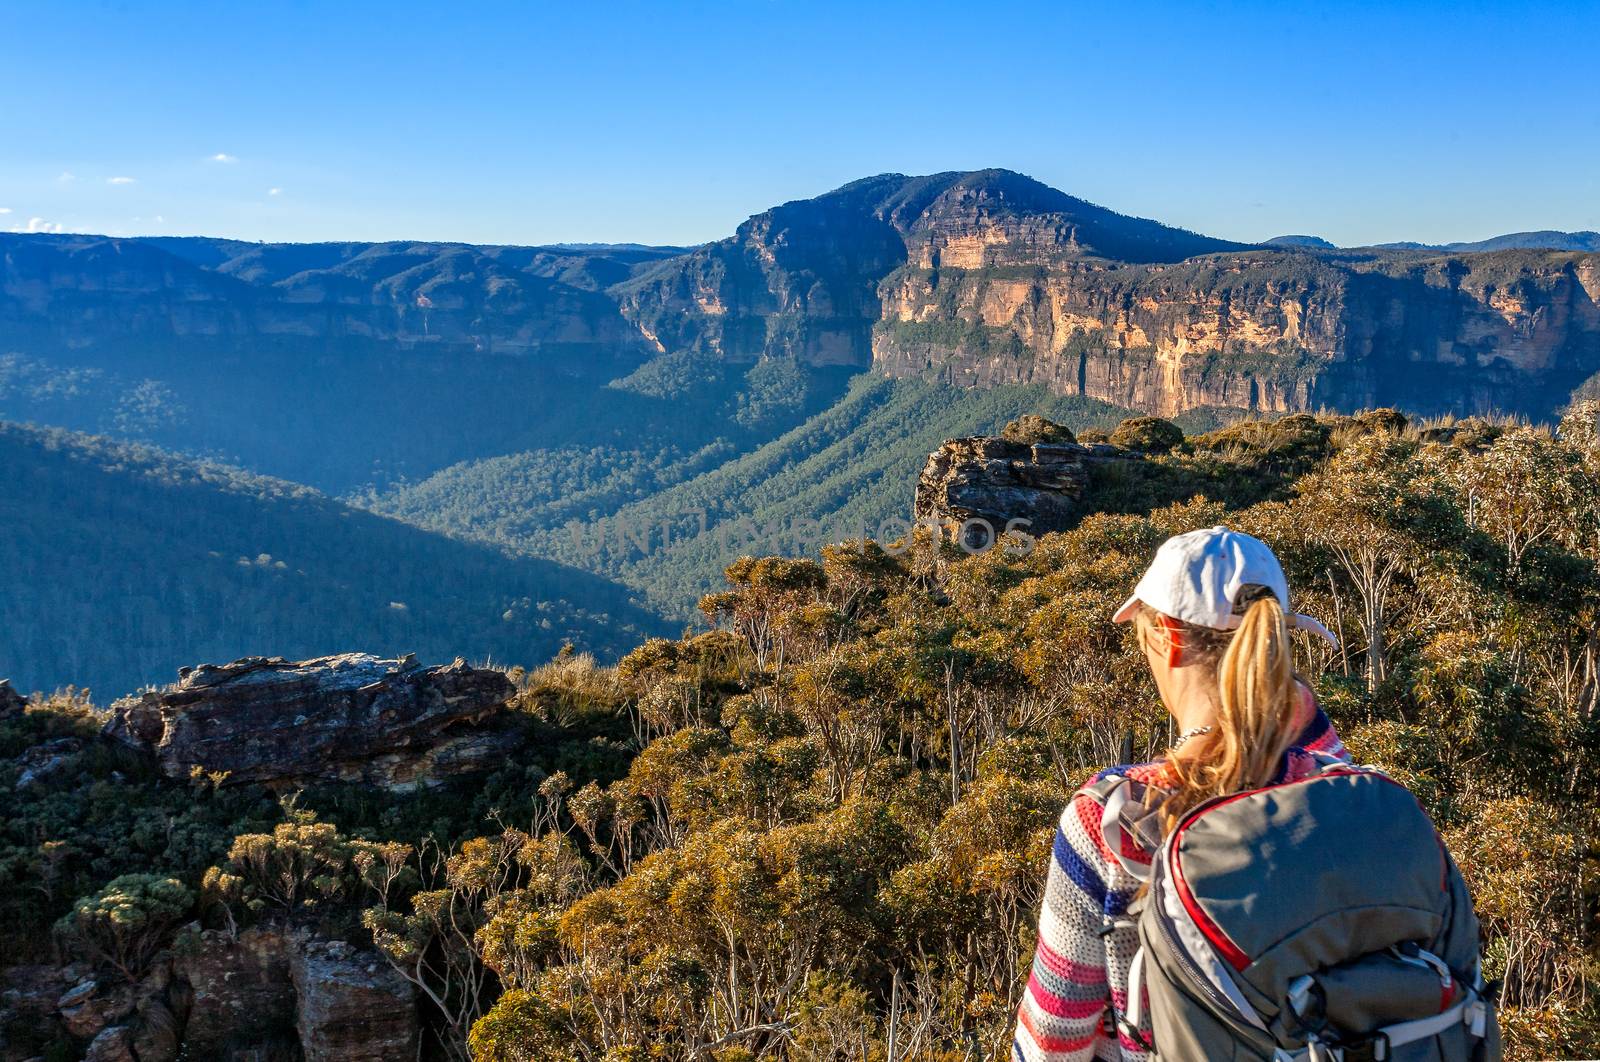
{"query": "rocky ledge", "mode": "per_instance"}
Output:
(1032, 479)
(349, 718)
(272, 993)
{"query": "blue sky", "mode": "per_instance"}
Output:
(671, 123)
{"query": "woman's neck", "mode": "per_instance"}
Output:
(1194, 704)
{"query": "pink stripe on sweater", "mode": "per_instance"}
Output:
(1071, 1009)
(1077, 972)
(1054, 1044)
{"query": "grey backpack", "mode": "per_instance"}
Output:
(1319, 919)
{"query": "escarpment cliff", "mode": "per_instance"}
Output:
(979, 279)
(1275, 331)
(803, 278)
(991, 278)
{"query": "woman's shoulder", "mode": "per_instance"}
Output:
(1140, 777)
(1136, 789)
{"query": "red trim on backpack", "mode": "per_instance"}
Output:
(1219, 940)
(1213, 932)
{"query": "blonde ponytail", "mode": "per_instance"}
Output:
(1256, 708)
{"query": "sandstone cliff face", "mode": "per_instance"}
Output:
(1270, 331)
(347, 718)
(351, 1005)
(802, 279)
(990, 278)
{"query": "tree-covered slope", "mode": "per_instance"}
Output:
(822, 830)
(345, 365)
(851, 467)
(122, 563)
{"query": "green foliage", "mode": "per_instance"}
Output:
(126, 922)
(208, 563)
(954, 335)
(831, 814)
(845, 471)
(1153, 435)
(521, 1027)
(1031, 428)
(303, 864)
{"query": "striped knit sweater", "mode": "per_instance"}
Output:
(1079, 982)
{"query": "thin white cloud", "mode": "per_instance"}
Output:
(223, 156)
(119, 180)
(5, 210)
(67, 177)
(274, 191)
(41, 225)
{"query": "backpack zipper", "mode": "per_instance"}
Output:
(1196, 977)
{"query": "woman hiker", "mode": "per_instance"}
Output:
(1263, 966)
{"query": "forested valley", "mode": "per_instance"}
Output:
(816, 825)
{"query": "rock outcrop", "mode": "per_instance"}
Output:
(978, 488)
(390, 723)
(113, 1020)
(47, 760)
(241, 995)
(28, 996)
(271, 993)
(351, 1005)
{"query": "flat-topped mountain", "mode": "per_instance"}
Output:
(804, 278)
(977, 278)
(992, 278)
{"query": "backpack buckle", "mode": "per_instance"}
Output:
(1374, 1048)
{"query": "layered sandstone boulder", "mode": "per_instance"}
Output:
(351, 1005)
(983, 486)
(349, 718)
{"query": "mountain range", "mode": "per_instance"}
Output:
(1540, 240)
(585, 425)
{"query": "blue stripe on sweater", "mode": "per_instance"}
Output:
(1081, 874)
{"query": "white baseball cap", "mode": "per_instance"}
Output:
(1208, 577)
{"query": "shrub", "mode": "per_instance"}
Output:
(1152, 435)
(1030, 429)
(128, 921)
(520, 1027)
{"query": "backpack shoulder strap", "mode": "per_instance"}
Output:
(1126, 822)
